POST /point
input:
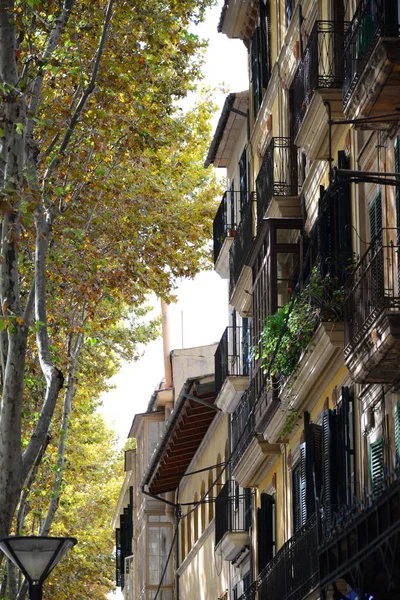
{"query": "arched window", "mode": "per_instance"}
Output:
(196, 519)
(203, 508)
(183, 540)
(210, 496)
(189, 532)
(218, 476)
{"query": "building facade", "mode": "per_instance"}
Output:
(281, 468)
(308, 235)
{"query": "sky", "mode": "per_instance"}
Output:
(201, 314)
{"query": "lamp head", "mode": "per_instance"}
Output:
(36, 556)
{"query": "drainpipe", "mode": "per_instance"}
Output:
(165, 394)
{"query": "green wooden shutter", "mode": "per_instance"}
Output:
(330, 463)
(265, 528)
(303, 485)
(375, 221)
(377, 466)
(296, 504)
(397, 433)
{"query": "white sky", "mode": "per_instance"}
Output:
(203, 302)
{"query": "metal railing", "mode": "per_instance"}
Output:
(278, 174)
(372, 288)
(227, 219)
(321, 67)
(241, 244)
(243, 425)
(373, 19)
(232, 356)
(293, 572)
(355, 532)
(250, 593)
(232, 510)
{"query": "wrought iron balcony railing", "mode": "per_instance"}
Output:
(227, 219)
(320, 68)
(241, 244)
(243, 425)
(232, 357)
(293, 572)
(278, 174)
(250, 593)
(356, 541)
(372, 288)
(373, 19)
(232, 511)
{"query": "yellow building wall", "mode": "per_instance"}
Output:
(206, 573)
(200, 570)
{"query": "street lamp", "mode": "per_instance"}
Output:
(36, 557)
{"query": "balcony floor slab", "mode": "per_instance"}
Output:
(376, 358)
(231, 392)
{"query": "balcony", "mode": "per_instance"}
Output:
(232, 364)
(252, 453)
(239, 272)
(372, 61)
(249, 594)
(233, 516)
(319, 78)
(372, 313)
(362, 545)
(293, 572)
(277, 180)
(225, 226)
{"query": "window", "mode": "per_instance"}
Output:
(289, 10)
(260, 56)
(210, 496)
(377, 466)
(266, 530)
(203, 508)
(159, 542)
(155, 431)
(338, 455)
(307, 476)
(375, 221)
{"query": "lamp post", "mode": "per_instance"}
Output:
(36, 557)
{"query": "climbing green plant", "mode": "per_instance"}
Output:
(289, 331)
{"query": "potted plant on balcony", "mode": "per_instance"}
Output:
(287, 334)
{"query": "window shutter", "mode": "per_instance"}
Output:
(264, 41)
(303, 485)
(265, 529)
(329, 463)
(296, 497)
(377, 466)
(375, 220)
(243, 180)
(346, 472)
(255, 71)
(313, 458)
(118, 557)
(397, 433)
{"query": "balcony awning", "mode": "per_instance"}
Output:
(228, 129)
(186, 428)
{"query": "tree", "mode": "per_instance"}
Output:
(96, 208)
